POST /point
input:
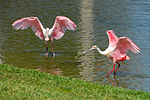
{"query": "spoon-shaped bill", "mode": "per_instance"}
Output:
(86, 51)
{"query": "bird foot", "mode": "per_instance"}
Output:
(114, 74)
(109, 76)
(53, 54)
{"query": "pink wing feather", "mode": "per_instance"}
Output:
(32, 22)
(113, 39)
(61, 24)
(124, 44)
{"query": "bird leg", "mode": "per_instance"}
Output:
(116, 68)
(111, 70)
(46, 48)
(52, 48)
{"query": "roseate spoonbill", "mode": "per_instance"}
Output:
(117, 49)
(56, 32)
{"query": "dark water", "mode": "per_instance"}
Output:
(129, 18)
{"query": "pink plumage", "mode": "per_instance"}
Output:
(61, 24)
(32, 22)
(120, 47)
(113, 39)
(117, 49)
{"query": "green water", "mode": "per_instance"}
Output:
(93, 17)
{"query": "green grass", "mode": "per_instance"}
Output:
(17, 84)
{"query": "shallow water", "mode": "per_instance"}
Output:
(93, 17)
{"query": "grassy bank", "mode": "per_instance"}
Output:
(27, 84)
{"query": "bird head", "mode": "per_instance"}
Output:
(47, 33)
(94, 47)
(47, 29)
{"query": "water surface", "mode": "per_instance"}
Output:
(93, 17)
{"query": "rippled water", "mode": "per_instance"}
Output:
(129, 18)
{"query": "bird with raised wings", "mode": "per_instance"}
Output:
(61, 24)
(117, 49)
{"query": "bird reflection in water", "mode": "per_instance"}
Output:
(55, 71)
(114, 82)
(117, 49)
(57, 31)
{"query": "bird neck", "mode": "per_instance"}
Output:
(101, 52)
(50, 32)
(47, 32)
(47, 38)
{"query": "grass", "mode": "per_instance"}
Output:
(18, 84)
